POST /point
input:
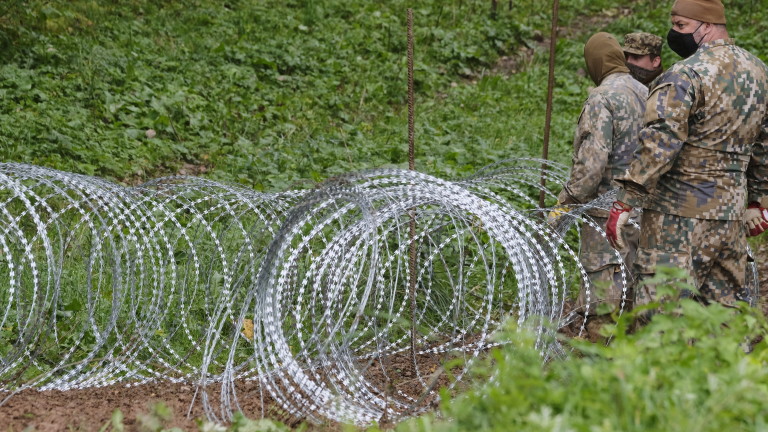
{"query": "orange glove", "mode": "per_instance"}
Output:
(618, 216)
(756, 219)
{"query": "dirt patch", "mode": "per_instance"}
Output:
(514, 63)
(397, 378)
(90, 409)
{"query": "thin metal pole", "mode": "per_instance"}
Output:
(411, 134)
(411, 166)
(550, 89)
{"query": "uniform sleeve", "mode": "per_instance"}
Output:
(667, 110)
(591, 149)
(757, 171)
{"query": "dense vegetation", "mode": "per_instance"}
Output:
(276, 95)
(687, 370)
(265, 93)
(281, 94)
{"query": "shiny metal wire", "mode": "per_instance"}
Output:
(304, 293)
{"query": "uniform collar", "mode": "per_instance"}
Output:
(716, 42)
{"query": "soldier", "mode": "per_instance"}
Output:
(642, 52)
(701, 159)
(606, 137)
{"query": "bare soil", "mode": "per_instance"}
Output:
(91, 409)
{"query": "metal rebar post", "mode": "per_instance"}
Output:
(550, 88)
(411, 166)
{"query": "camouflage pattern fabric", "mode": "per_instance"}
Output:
(698, 154)
(642, 44)
(604, 141)
(713, 252)
(605, 138)
(702, 156)
(600, 260)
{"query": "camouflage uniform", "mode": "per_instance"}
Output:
(700, 160)
(605, 139)
(643, 44)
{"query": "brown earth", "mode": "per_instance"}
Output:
(90, 409)
(93, 408)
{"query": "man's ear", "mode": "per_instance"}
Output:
(656, 61)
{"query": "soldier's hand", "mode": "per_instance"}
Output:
(618, 216)
(755, 219)
(556, 213)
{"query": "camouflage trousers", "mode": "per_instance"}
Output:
(712, 252)
(609, 288)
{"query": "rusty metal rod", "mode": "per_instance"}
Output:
(550, 89)
(411, 166)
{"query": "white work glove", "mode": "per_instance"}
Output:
(755, 219)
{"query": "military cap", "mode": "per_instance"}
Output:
(642, 44)
(708, 11)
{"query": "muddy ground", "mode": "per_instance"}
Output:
(93, 408)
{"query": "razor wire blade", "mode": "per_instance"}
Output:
(342, 302)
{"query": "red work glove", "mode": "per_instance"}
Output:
(756, 219)
(616, 219)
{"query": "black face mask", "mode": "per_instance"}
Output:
(683, 44)
(643, 75)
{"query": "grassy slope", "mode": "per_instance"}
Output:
(271, 94)
(279, 94)
(262, 92)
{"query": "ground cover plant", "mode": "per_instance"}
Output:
(320, 93)
(270, 94)
(282, 94)
(686, 370)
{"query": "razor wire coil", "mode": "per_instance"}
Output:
(183, 279)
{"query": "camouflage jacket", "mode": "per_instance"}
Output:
(704, 150)
(605, 139)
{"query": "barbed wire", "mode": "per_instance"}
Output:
(304, 293)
